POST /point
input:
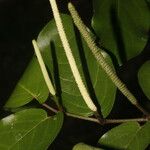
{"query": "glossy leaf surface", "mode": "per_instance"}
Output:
(29, 129)
(144, 78)
(122, 26)
(94, 77)
(127, 136)
(82, 146)
(30, 86)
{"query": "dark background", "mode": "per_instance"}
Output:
(20, 22)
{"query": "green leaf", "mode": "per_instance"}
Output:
(29, 129)
(94, 77)
(82, 146)
(144, 78)
(142, 138)
(127, 136)
(122, 26)
(31, 86)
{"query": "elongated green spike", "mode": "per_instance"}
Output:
(70, 57)
(99, 57)
(43, 68)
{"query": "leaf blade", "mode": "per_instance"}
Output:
(143, 77)
(142, 139)
(123, 32)
(81, 146)
(27, 130)
(29, 87)
(127, 136)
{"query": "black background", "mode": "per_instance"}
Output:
(20, 22)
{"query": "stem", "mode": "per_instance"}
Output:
(97, 52)
(43, 68)
(50, 108)
(105, 121)
(114, 121)
(70, 57)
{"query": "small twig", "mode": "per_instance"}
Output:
(50, 108)
(114, 121)
(83, 118)
(105, 121)
(97, 52)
